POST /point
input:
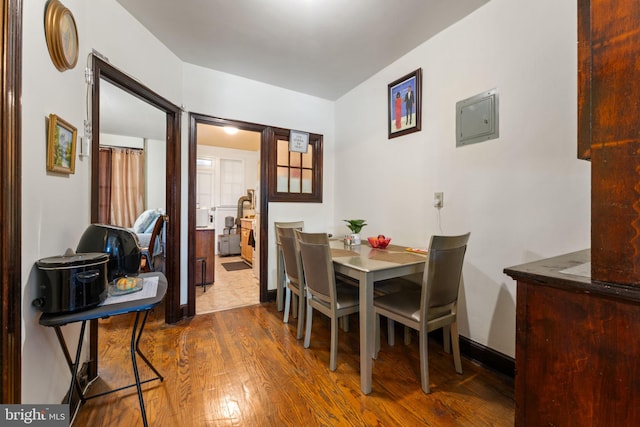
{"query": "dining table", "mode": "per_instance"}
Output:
(368, 265)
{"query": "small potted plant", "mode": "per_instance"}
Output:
(355, 225)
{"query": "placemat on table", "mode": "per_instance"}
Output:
(342, 252)
(397, 257)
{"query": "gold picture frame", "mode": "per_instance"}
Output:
(61, 146)
(62, 35)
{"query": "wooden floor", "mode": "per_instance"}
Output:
(244, 367)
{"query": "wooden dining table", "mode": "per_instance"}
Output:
(368, 265)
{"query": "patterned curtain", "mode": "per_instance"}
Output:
(127, 186)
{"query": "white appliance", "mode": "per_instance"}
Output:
(202, 218)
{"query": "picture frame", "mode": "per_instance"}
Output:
(61, 146)
(405, 104)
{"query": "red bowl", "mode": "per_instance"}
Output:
(375, 242)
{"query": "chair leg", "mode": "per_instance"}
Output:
(423, 340)
(294, 302)
(446, 338)
(334, 344)
(301, 301)
(307, 334)
(345, 323)
(455, 344)
(407, 335)
(280, 279)
(287, 304)
(376, 334)
(391, 332)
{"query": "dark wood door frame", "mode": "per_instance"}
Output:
(267, 136)
(104, 70)
(10, 201)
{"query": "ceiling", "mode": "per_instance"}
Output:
(124, 114)
(322, 48)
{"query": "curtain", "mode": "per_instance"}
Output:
(127, 186)
(104, 187)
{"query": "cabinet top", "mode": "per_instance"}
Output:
(556, 272)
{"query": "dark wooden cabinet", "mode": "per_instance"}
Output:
(205, 256)
(577, 347)
(609, 132)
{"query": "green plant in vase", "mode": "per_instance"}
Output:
(355, 225)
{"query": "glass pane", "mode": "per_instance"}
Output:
(307, 158)
(307, 181)
(283, 153)
(282, 180)
(295, 160)
(231, 181)
(294, 184)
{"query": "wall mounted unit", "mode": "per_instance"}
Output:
(477, 118)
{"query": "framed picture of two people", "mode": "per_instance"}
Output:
(405, 104)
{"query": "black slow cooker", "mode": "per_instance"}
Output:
(72, 282)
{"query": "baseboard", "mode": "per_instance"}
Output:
(482, 355)
(488, 357)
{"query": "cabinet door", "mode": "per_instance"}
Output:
(205, 247)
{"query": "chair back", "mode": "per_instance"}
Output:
(318, 271)
(291, 255)
(443, 272)
(155, 233)
(312, 237)
(292, 224)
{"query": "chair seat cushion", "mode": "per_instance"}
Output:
(390, 286)
(405, 304)
(347, 297)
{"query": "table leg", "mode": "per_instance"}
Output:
(73, 366)
(134, 344)
(366, 331)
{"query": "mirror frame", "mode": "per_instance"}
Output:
(104, 70)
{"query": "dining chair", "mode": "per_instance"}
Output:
(280, 275)
(340, 279)
(149, 253)
(323, 294)
(434, 306)
(294, 276)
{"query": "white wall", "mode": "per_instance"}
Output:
(224, 95)
(56, 208)
(523, 196)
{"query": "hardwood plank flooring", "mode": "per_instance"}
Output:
(244, 367)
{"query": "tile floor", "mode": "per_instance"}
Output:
(231, 289)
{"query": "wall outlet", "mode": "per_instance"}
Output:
(438, 200)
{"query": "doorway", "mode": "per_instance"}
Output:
(227, 190)
(260, 201)
(103, 71)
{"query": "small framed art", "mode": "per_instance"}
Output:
(298, 141)
(61, 146)
(405, 104)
